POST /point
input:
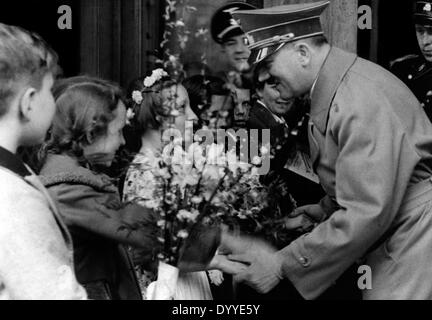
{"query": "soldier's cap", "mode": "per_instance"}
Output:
(270, 28)
(223, 26)
(423, 13)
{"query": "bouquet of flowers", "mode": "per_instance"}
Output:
(189, 198)
(202, 188)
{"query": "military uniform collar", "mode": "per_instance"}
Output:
(275, 116)
(11, 162)
(334, 69)
(421, 69)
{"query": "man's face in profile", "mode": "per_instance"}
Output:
(424, 38)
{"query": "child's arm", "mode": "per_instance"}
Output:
(103, 213)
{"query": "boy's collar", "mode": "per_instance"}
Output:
(11, 162)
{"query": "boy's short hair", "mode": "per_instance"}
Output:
(25, 59)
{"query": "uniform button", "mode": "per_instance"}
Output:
(304, 261)
(410, 77)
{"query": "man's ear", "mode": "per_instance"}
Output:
(304, 53)
(26, 103)
(259, 93)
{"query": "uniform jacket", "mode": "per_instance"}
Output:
(261, 118)
(370, 141)
(36, 259)
(90, 205)
(416, 73)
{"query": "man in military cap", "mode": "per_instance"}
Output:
(371, 145)
(416, 70)
(227, 32)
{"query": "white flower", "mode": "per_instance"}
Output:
(264, 150)
(184, 215)
(216, 277)
(152, 204)
(137, 97)
(161, 223)
(164, 173)
(212, 172)
(172, 59)
(256, 161)
(149, 82)
(129, 116)
(180, 23)
(182, 234)
(197, 200)
(156, 76)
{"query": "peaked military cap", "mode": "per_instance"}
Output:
(270, 28)
(223, 26)
(423, 12)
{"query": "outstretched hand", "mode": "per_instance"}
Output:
(222, 263)
(263, 264)
(304, 218)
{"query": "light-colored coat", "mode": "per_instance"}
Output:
(371, 146)
(36, 257)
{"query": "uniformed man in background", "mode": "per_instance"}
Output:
(227, 32)
(416, 70)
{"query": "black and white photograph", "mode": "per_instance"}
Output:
(236, 153)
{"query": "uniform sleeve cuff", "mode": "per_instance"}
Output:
(295, 267)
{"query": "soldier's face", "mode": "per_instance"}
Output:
(237, 53)
(424, 37)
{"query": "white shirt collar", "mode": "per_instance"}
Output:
(313, 86)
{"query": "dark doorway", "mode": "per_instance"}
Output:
(397, 36)
(41, 17)
(393, 33)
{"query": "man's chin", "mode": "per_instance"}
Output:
(242, 67)
(428, 57)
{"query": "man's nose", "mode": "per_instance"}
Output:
(242, 48)
(426, 39)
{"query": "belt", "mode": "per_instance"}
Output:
(416, 195)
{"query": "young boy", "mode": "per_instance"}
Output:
(36, 259)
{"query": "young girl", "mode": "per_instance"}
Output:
(86, 133)
(152, 109)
